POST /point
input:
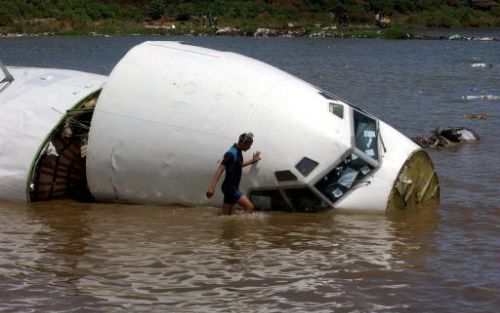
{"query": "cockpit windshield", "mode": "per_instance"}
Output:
(365, 134)
(343, 177)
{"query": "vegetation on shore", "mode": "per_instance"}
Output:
(239, 17)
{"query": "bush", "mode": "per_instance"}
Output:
(463, 15)
(16, 14)
(357, 13)
(5, 16)
(403, 6)
(156, 9)
(109, 10)
(130, 12)
(376, 6)
(428, 4)
(439, 19)
(396, 33)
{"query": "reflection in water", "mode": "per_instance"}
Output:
(125, 257)
(47, 249)
(62, 240)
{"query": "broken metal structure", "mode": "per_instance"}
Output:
(447, 137)
(154, 130)
(42, 133)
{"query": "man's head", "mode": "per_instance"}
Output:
(245, 141)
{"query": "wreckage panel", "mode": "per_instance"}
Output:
(372, 192)
(14, 165)
(62, 175)
(30, 108)
(61, 170)
(166, 116)
(417, 183)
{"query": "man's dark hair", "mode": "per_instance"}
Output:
(245, 138)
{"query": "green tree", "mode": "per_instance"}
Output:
(156, 9)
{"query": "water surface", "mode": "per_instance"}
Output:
(72, 257)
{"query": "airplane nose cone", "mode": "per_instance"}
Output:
(417, 182)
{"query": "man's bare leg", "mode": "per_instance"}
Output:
(246, 204)
(227, 209)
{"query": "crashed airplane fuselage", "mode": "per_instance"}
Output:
(154, 130)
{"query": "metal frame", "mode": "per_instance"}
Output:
(8, 78)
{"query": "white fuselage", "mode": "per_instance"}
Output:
(31, 107)
(169, 111)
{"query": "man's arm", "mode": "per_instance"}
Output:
(215, 179)
(256, 158)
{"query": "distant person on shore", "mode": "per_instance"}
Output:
(233, 164)
(344, 19)
(382, 20)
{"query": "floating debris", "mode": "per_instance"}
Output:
(460, 37)
(228, 31)
(476, 116)
(483, 38)
(481, 65)
(455, 37)
(265, 32)
(446, 137)
(481, 97)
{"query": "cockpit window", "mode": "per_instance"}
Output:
(336, 108)
(301, 199)
(306, 165)
(268, 200)
(305, 200)
(343, 177)
(285, 175)
(366, 138)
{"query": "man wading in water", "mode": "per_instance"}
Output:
(233, 164)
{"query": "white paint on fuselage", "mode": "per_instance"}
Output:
(167, 114)
(30, 107)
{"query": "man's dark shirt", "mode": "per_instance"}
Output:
(233, 163)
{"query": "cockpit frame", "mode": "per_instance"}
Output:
(365, 145)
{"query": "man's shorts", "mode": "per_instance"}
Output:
(231, 194)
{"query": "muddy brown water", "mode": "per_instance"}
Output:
(65, 256)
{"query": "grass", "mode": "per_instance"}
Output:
(303, 24)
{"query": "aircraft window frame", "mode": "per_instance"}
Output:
(336, 109)
(342, 182)
(306, 165)
(286, 175)
(330, 96)
(284, 204)
(360, 135)
(7, 77)
(320, 204)
(286, 199)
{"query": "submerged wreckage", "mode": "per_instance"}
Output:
(153, 131)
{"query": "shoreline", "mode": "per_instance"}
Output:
(335, 19)
(362, 32)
